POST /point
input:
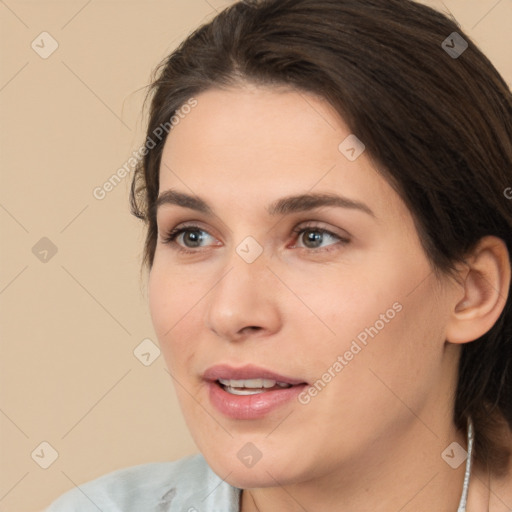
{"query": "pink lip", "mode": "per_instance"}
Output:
(224, 371)
(249, 407)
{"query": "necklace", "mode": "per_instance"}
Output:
(467, 474)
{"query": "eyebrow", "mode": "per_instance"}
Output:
(283, 206)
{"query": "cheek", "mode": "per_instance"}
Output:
(171, 297)
(160, 302)
(386, 319)
(171, 304)
(400, 361)
(386, 369)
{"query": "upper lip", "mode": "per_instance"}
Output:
(227, 372)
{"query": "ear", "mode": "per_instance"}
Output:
(485, 287)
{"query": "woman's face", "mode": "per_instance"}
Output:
(332, 301)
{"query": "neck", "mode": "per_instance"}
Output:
(403, 473)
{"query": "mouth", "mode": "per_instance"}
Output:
(250, 392)
(251, 386)
(249, 377)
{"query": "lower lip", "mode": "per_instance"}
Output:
(250, 407)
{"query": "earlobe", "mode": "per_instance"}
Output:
(486, 285)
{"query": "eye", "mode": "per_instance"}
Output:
(191, 238)
(315, 237)
(186, 237)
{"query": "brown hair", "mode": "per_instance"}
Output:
(437, 126)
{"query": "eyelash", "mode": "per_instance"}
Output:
(170, 238)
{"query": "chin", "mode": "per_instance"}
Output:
(251, 478)
(265, 472)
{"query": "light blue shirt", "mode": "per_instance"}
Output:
(185, 485)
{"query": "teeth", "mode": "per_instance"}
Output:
(253, 384)
(235, 391)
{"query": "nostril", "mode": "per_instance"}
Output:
(254, 328)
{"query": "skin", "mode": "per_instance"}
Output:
(372, 438)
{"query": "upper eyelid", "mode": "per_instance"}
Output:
(301, 226)
(162, 221)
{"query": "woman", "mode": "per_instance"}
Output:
(328, 244)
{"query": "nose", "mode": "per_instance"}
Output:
(244, 303)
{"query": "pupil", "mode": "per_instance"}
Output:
(194, 237)
(313, 237)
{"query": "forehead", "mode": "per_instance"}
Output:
(252, 144)
(256, 121)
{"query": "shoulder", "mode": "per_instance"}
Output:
(184, 485)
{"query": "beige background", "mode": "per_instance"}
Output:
(69, 326)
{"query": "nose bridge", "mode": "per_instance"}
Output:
(242, 297)
(246, 264)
